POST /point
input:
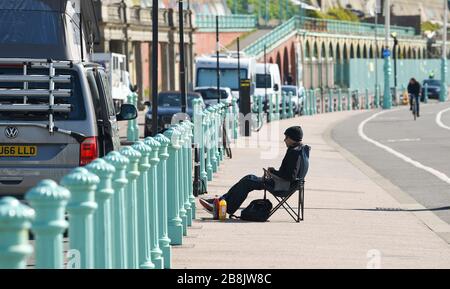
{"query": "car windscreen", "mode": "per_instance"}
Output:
(289, 90)
(208, 94)
(263, 81)
(432, 82)
(76, 99)
(29, 22)
(174, 99)
(228, 77)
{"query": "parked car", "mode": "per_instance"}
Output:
(169, 104)
(40, 140)
(210, 97)
(297, 97)
(434, 88)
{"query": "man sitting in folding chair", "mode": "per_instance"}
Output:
(282, 183)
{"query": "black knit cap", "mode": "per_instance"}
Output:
(295, 133)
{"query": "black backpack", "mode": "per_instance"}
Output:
(257, 211)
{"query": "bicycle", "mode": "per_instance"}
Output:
(414, 106)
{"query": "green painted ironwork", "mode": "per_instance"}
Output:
(330, 26)
(15, 220)
(49, 202)
(102, 216)
(232, 23)
(81, 184)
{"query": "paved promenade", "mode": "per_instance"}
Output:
(350, 221)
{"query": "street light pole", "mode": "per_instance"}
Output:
(394, 52)
(182, 65)
(155, 59)
(387, 99)
(443, 93)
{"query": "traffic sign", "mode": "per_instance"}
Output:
(386, 53)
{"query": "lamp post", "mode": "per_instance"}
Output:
(443, 93)
(394, 53)
(387, 99)
(155, 58)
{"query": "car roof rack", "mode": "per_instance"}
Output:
(25, 93)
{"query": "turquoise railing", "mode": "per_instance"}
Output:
(320, 25)
(207, 23)
(127, 209)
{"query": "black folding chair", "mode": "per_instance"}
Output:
(297, 215)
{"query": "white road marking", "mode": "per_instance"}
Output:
(443, 177)
(404, 140)
(439, 119)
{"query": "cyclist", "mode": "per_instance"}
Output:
(414, 91)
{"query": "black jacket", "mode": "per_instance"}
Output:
(414, 88)
(291, 165)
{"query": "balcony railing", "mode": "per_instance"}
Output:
(207, 23)
(323, 26)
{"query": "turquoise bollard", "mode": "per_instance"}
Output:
(103, 215)
(283, 105)
(81, 207)
(313, 102)
(181, 178)
(339, 99)
(187, 179)
(425, 87)
(291, 105)
(144, 208)
(270, 118)
(15, 221)
(131, 206)
(212, 135)
(330, 100)
(175, 223)
(366, 101)
(277, 106)
(377, 96)
(119, 230)
(260, 109)
(164, 241)
(190, 136)
(49, 201)
(156, 252)
(131, 126)
(208, 144)
(349, 100)
(135, 121)
(305, 104)
(235, 118)
(199, 137)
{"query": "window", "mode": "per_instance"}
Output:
(263, 81)
(228, 77)
(76, 99)
(29, 22)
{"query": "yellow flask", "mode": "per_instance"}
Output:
(222, 210)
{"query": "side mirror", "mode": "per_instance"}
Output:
(127, 112)
(275, 87)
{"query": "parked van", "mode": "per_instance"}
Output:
(119, 78)
(56, 110)
(268, 80)
(206, 71)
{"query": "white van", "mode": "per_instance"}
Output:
(119, 78)
(271, 80)
(206, 71)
